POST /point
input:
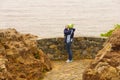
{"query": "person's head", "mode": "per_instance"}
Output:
(70, 26)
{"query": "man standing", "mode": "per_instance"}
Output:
(69, 34)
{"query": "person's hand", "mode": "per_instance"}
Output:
(67, 27)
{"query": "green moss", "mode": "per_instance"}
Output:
(109, 33)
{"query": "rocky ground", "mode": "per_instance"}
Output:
(106, 65)
(67, 71)
(20, 58)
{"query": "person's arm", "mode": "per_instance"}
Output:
(66, 31)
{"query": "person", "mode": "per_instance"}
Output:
(68, 35)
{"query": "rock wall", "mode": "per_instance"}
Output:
(82, 47)
(20, 58)
(106, 65)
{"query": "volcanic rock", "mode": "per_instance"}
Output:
(106, 65)
(20, 58)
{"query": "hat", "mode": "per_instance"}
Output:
(70, 25)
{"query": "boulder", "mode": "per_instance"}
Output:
(20, 58)
(106, 65)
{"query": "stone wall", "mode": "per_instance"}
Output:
(82, 47)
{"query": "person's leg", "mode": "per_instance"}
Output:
(68, 45)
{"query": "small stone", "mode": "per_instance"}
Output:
(52, 46)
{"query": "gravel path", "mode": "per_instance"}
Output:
(67, 71)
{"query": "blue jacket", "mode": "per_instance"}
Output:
(69, 34)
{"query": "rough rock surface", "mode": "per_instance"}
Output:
(106, 65)
(20, 59)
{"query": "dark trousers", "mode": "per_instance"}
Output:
(68, 47)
